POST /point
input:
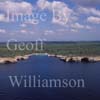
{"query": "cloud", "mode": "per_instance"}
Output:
(2, 18)
(94, 20)
(16, 7)
(12, 8)
(2, 31)
(74, 30)
(61, 11)
(23, 31)
(88, 11)
(23, 25)
(49, 32)
(87, 3)
(26, 32)
(43, 4)
(88, 27)
(79, 26)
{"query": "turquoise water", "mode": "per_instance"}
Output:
(49, 68)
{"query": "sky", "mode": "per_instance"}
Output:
(52, 20)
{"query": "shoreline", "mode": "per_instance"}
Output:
(71, 59)
(8, 60)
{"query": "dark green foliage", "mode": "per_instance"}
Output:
(61, 48)
(74, 49)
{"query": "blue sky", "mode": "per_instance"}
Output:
(53, 20)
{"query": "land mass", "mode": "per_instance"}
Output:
(64, 51)
(71, 59)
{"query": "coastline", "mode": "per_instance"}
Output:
(71, 59)
(84, 59)
(8, 60)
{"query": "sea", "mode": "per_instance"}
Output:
(50, 68)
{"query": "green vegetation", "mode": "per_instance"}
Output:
(74, 48)
(5, 52)
(61, 48)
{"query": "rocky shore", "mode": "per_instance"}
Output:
(72, 59)
(11, 60)
(8, 60)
